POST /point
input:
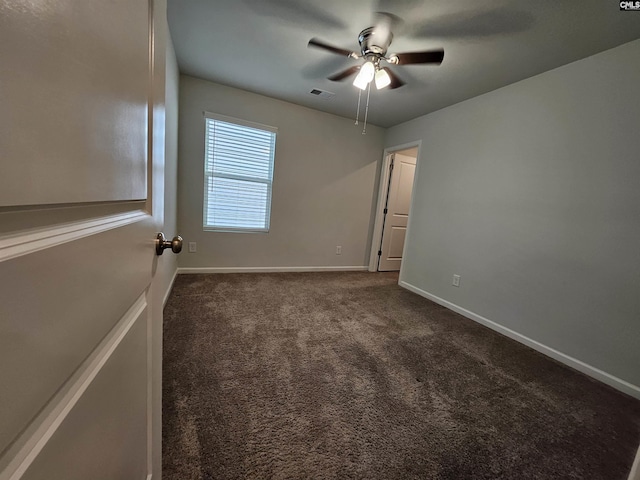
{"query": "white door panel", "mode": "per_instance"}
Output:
(56, 310)
(80, 317)
(402, 201)
(396, 245)
(75, 91)
(398, 204)
(102, 437)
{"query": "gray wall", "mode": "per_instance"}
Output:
(168, 261)
(532, 194)
(323, 189)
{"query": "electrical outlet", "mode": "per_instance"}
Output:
(193, 247)
(456, 281)
(338, 249)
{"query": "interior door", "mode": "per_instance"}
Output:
(403, 168)
(81, 152)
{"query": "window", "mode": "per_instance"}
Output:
(238, 172)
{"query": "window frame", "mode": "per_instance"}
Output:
(268, 182)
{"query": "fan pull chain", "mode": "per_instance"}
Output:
(358, 110)
(366, 111)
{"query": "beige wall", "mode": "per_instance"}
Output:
(323, 189)
(169, 261)
(530, 193)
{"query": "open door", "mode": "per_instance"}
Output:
(396, 212)
(82, 152)
(635, 468)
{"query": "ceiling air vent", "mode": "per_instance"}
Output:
(322, 93)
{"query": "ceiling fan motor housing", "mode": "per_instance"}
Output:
(374, 42)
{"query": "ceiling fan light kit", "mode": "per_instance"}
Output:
(382, 79)
(366, 74)
(374, 43)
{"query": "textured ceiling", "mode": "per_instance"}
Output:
(261, 46)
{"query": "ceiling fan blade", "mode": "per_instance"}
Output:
(296, 13)
(325, 67)
(344, 74)
(314, 42)
(474, 24)
(429, 56)
(396, 82)
(401, 7)
(388, 21)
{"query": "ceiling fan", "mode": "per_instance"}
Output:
(374, 44)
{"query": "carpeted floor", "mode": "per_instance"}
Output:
(346, 375)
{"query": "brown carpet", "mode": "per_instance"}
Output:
(347, 375)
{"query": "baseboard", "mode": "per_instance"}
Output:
(596, 373)
(168, 292)
(359, 268)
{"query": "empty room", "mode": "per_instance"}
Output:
(290, 239)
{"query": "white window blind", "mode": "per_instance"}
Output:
(238, 167)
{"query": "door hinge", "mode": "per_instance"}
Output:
(385, 211)
(379, 252)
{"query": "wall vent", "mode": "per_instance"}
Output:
(322, 93)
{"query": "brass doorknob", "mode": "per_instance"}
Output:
(161, 243)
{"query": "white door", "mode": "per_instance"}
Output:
(403, 168)
(81, 187)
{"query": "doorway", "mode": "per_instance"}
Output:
(394, 202)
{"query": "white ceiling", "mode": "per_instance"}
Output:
(261, 46)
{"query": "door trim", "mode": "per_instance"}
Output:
(28, 242)
(383, 186)
(635, 468)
